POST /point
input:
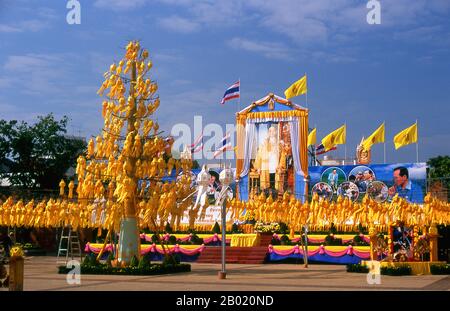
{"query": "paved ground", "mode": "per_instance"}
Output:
(40, 274)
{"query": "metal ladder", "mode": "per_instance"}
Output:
(72, 248)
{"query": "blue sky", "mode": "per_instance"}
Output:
(358, 73)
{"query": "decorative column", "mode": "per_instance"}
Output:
(390, 236)
(16, 269)
(373, 243)
(415, 239)
(433, 234)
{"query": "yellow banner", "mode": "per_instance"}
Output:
(312, 138)
(406, 137)
(336, 137)
(297, 88)
(375, 138)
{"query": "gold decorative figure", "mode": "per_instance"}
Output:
(362, 155)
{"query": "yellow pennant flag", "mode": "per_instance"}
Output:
(406, 137)
(375, 138)
(297, 88)
(312, 138)
(336, 137)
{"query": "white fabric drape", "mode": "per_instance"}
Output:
(250, 132)
(295, 146)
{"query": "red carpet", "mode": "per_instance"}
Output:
(241, 255)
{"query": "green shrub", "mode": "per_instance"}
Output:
(396, 271)
(234, 228)
(362, 229)
(109, 259)
(134, 261)
(357, 268)
(90, 260)
(216, 228)
(168, 228)
(275, 241)
(152, 269)
(144, 263)
(331, 240)
(359, 241)
(284, 229)
(28, 246)
(155, 239)
(171, 259)
(172, 240)
(196, 240)
(440, 269)
(333, 228)
(284, 240)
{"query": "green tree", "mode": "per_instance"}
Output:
(439, 174)
(439, 167)
(38, 155)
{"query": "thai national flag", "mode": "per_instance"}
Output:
(320, 149)
(232, 92)
(198, 144)
(225, 146)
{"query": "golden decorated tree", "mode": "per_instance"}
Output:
(124, 165)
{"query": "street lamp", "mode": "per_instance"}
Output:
(305, 255)
(226, 178)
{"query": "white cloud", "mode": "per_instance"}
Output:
(9, 29)
(337, 56)
(100, 62)
(37, 74)
(166, 57)
(308, 24)
(43, 18)
(268, 49)
(119, 4)
(28, 63)
(179, 24)
(426, 33)
(5, 82)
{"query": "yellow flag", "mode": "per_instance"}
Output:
(297, 88)
(312, 138)
(336, 137)
(406, 137)
(375, 138)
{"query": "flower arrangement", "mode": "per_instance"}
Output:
(250, 217)
(267, 228)
(422, 246)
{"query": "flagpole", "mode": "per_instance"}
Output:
(306, 94)
(417, 142)
(314, 147)
(239, 101)
(384, 144)
(345, 145)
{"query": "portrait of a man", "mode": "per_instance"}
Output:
(404, 187)
(270, 160)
